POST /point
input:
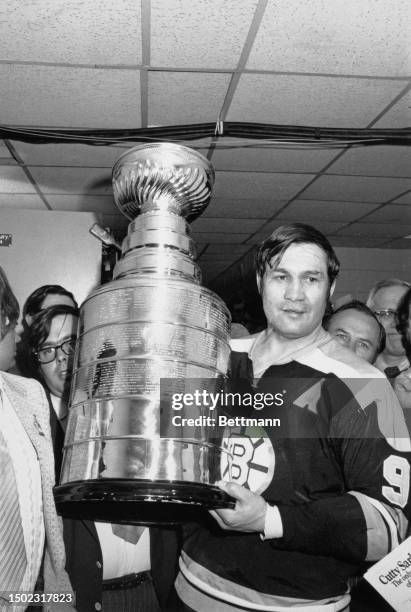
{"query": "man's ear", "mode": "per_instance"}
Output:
(332, 288)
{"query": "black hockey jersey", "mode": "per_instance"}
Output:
(338, 470)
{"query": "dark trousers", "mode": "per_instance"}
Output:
(140, 598)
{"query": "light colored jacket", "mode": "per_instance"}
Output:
(30, 404)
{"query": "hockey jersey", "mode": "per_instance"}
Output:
(337, 468)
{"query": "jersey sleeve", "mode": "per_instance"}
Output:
(372, 447)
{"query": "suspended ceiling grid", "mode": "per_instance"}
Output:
(131, 64)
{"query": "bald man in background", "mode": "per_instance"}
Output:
(384, 299)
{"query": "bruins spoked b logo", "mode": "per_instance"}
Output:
(249, 459)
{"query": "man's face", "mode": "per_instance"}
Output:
(57, 373)
(295, 291)
(357, 331)
(388, 298)
(8, 350)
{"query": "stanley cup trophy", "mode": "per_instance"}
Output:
(124, 461)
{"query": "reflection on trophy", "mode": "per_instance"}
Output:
(123, 459)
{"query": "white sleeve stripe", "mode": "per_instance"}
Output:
(384, 513)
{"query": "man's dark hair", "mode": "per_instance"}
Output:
(274, 247)
(403, 315)
(33, 303)
(360, 307)
(9, 306)
(40, 328)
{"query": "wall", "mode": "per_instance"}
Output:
(50, 247)
(362, 268)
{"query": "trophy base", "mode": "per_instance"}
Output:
(138, 502)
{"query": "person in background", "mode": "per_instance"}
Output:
(383, 299)
(45, 296)
(112, 567)
(402, 383)
(52, 340)
(404, 322)
(355, 326)
(316, 494)
(30, 531)
(41, 298)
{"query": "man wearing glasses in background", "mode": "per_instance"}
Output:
(384, 299)
(111, 567)
(52, 337)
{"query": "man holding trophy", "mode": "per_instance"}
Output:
(329, 489)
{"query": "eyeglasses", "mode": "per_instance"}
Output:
(48, 353)
(386, 315)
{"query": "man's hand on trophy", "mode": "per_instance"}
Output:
(248, 514)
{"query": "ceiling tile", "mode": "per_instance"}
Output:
(83, 203)
(326, 227)
(390, 214)
(176, 98)
(237, 226)
(98, 32)
(371, 260)
(400, 243)
(310, 100)
(5, 156)
(405, 199)
(257, 185)
(71, 97)
(356, 188)
(214, 238)
(399, 116)
(359, 242)
(251, 155)
(73, 180)
(66, 154)
(374, 161)
(376, 230)
(242, 208)
(14, 180)
(198, 34)
(21, 201)
(311, 212)
(338, 37)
